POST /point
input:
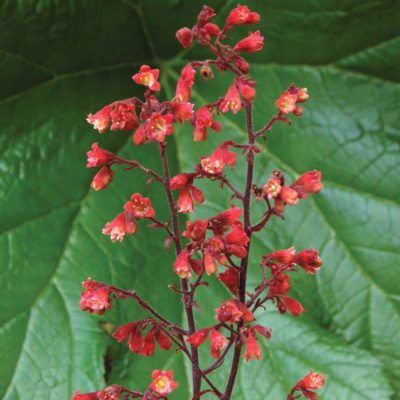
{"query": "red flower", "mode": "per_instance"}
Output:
(98, 156)
(228, 217)
(230, 278)
(231, 100)
(288, 195)
(216, 162)
(85, 396)
(236, 241)
(139, 136)
(308, 183)
(140, 206)
(122, 225)
(163, 382)
(188, 74)
(182, 265)
(313, 380)
(309, 260)
(148, 345)
(253, 350)
(205, 15)
(124, 331)
(229, 312)
(196, 230)
(202, 120)
(162, 339)
(280, 284)
(112, 392)
(185, 37)
(101, 119)
(181, 111)
(147, 77)
(189, 193)
(159, 126)
(218, 343)
(208, 31)
(182, 92)
(96, 299)
(286, 256)
(232, 311)
(102, 179)
(124, 117)
(241, 15)
(197, 339)
(286, 102)
(254, 42)
(210, 265)
(135, 341)
(292, 305)
(272, 188)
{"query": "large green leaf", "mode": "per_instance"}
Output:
(61, 60)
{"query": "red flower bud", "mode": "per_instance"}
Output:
(298, 111)
(247, 91)
(293, 306)
(185, 37)
(218, 343)
(262, 330)
(102, 179)
(242, 64)
(254, 42)
(210, 265)
(182, 92)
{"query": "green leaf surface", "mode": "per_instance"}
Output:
(60, 60)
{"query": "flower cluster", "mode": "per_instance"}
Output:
(138, 344)
(161, 386)
(212, 250)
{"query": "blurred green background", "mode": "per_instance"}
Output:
(61, 59)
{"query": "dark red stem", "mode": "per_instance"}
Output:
(196, 372)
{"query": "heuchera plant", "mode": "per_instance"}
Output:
(218, 246)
